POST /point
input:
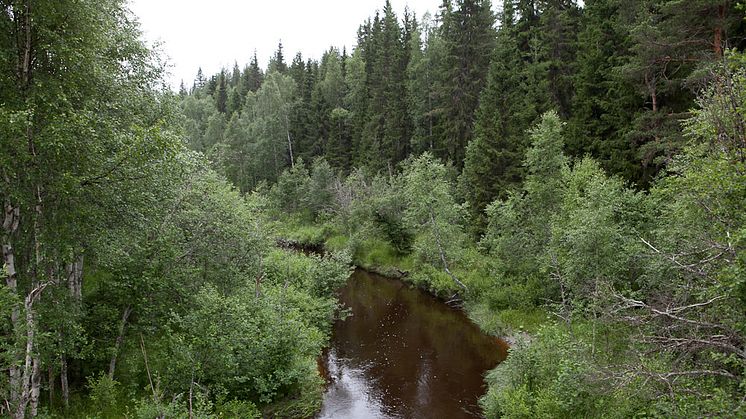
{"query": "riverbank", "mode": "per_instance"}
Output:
(380, 257)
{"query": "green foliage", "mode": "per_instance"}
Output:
(432, 211)
(291, 188)
(318, 275)
(104, 394)
(468, 38)
(603, 98)
(237, 409)
(395, 232)
(519, 232)
(552, 376)
(305, 403)
(594, 232)
(648, 261)
(298, 230)
(247, 347)
(434, 280)
(198, 317)
(521, 318)
(320, 194)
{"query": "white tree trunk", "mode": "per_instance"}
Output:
(119, 341)
(10, 226)
(35, 390)
(442, 252)
(63, 381)
(75, 278)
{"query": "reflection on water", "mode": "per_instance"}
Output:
(404, 354)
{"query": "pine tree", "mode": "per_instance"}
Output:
(671, 41)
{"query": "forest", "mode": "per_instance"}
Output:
(570, 174)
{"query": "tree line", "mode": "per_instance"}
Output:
(466, 84)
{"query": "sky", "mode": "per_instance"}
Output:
(213, 34)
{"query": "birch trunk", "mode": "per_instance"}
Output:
(118, 342)
(63, 381)
(29, 381)
(442, 252)
(10, 227)
(51, 381)
(35, 386)
(75, 278)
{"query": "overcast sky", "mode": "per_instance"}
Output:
(213, 34)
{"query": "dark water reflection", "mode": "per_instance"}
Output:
(404, 354)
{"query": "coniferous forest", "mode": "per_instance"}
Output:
(571, 175)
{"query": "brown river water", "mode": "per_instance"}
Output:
(404, 354)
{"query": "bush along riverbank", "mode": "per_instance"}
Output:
(565, 268)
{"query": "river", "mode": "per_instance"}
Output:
(404, 354)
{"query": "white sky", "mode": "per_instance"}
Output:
(213, 34)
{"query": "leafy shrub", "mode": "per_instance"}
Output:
(103, 392)
(237, 409)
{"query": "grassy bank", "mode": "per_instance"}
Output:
(378, 255)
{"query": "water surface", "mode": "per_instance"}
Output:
(404, 354)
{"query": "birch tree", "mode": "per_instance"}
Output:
(81, 133)
(433, 212)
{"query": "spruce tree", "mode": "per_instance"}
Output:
(235, 75)
(392, 61)
(604, 103)
(277, 62)
(418, 87)
(384, 140)
(329, 95)
(252, 76)
(559, 25)
(199, 81)
(494, 159)
(221, 93)
(356, 101)
(469, 37)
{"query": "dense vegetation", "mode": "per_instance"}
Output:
(573, 175)
(136, 280)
